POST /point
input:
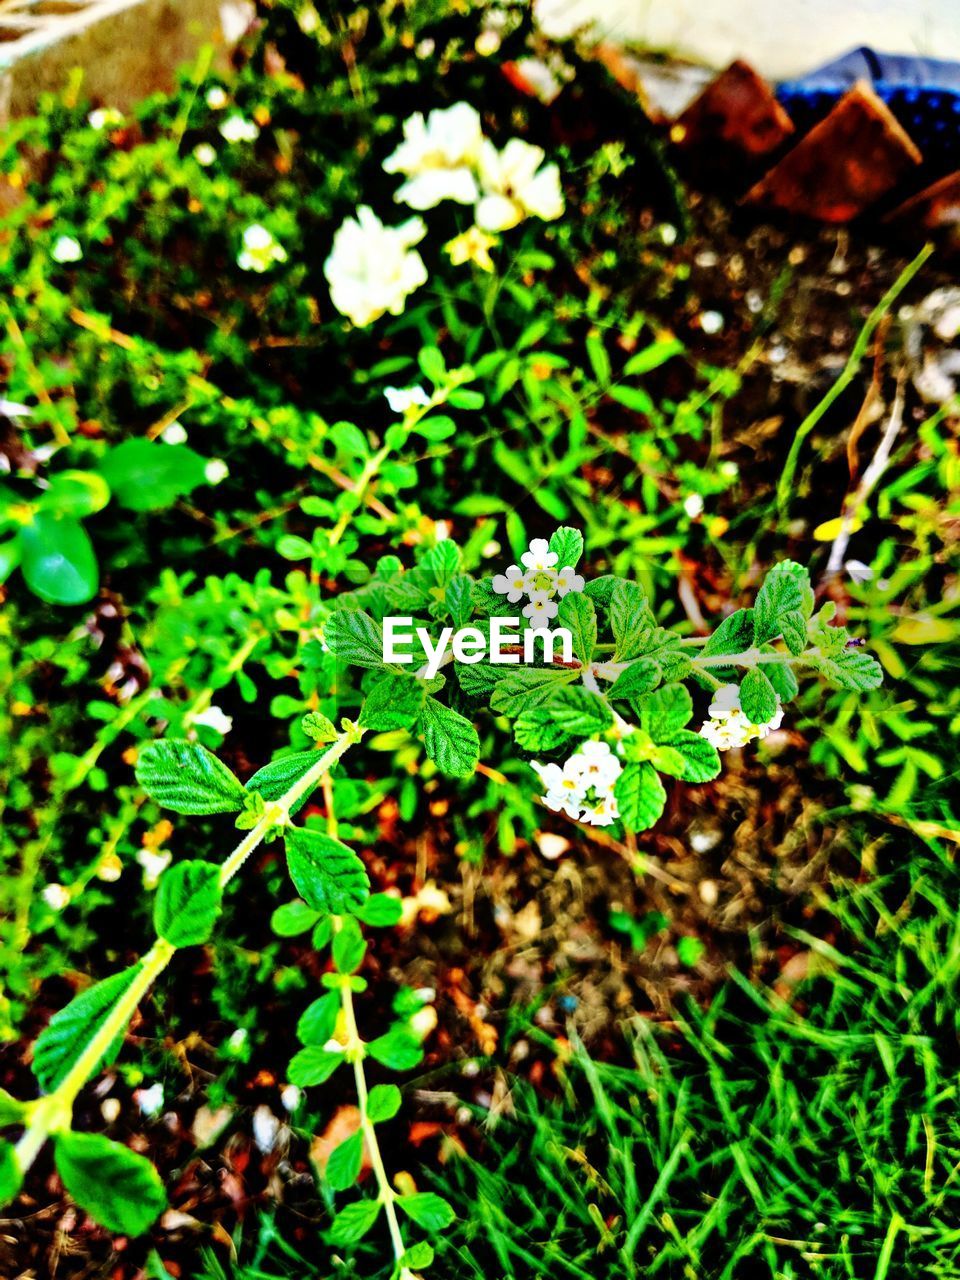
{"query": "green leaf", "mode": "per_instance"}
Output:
(394, 702)
(75, 493)
(328, 875)
(640, 796)
(343, 1166)
(418, 1257)
(701, 762)
(147, 475)
(69, 1031)
(188, 903)
(12, 1110)
(380, 911)
(356, 638)
(318, 727)
(779, 594)
(568, 545)
(57, 559)
(781, 676)
(851, 669)
(293, 918)
(569, 713)
(689, 950)
(758, 697)
(353, 1222)
(734, 635)
(275, 779)
(578, 615)
(319, 1020)
(631, 621)
(11, 1178)
(117, 1187)
(525, 687)
(665, 712)
(312, 1066)
(459, 599)
(188, 778)
(428, 1210)
(383, 1103)
(451, 740)
(639, 678)
(399, 1049)
(349, 947)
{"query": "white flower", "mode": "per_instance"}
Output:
(103, 118)
(217, 98)
(260, 250)
(56, 896)
(215, 471)
(372, 268)
(401, 399)
(176, 433)
(150, 1101)
(729, 726)
(693, 505)
(266, 1129)
(66, 249)
(568, 580)
(290, 1097)
(511, 584)
(601, 812)
(540, 610)
(711, 322)
(539, 556)
(237, 129)
(213, 718)
(438, 156)
(154, 864)
(205, 153)
(515, 186)
(595, 764)
(563, 791)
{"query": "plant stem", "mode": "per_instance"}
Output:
(54, 1111)
(848, 373)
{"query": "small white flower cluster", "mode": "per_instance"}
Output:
(372, 268)
(582, 787)
(540, 580)
(446, 157)
(237, 128)
(260, 250)
(728, 725)
(400, 399)
(104, 118)
(66, 249)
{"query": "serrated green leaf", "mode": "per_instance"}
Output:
(734, 635)
(428, 1210)
(69, 1031)
(701, 762)
(450, 740)
(639, 678)
(188, 903)
(116, 1186)
(666, 711)
(275, 779)
(568, 545)
(578, 615)
(312, 1066)
(419, 1256)
(757, 697)
(779, 595)
(631, 621)
(355, 638)
(640, 796)
(318, 727)
(327, 874)
(188, 778)
(851, 669)
(526, 687)
(343, 1165)
(781, 676)
(458, 598)
(354, 1222)
(383, 1103)
(394, 702)
(569, 713)
(293, 918)
(399, 1049)
(319, 1020)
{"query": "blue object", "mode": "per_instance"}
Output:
(923, 94)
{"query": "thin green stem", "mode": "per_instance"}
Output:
(785, 485)
(53, 1112)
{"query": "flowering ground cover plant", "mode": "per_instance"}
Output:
(551, 578)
